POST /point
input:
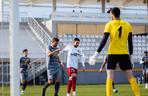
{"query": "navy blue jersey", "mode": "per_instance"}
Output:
(145, 64)
(53, 60)
(24, 61)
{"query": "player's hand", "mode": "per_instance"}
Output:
(56, 53)
(92, 59)
(101, 69)
(63, 67)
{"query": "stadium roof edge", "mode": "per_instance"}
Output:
(119, 3)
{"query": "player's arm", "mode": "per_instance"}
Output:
(143, 60)
(103, 42)
(130, 47)
(102, 66)
(61, 63)
(29, 63)
(130, 43)
(101, 46)
(21, 65)
(64, 49)
(52, 52)
(107, 31)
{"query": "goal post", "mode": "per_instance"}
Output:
(14, 54)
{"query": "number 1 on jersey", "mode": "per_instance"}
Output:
(120, 31)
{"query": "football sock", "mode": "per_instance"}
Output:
(69, 86)
(44, 88)
(24, 86)
(113, 84)
(109, 88)
(57, 86)
(74, 83)
(134, 86)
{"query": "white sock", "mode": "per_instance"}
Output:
(22, 92)
(146, 86)
(68, 94)
(74, 93)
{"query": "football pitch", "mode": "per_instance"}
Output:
(82, 90)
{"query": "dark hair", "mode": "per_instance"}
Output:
(145, 52)
(55, 40)
(25, 50)
(115, 11)
(76, 39)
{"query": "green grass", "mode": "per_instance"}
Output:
(82, 90)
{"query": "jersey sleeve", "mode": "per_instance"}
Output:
(66, 48)
(103, 42)
(49, 49)
(107, 28)
(130, 28)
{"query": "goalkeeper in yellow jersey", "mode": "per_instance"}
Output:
(120, 50)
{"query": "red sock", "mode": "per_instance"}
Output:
(69, 86)
(74, 79)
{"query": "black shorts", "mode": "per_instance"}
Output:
(123, 61)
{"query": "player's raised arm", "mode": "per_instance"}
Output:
(29, 63)
(64, 49)
(53, 52)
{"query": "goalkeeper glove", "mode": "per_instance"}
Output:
(92, 59)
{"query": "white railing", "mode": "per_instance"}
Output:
(37, 66)
(38, 30)
(41, 46)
